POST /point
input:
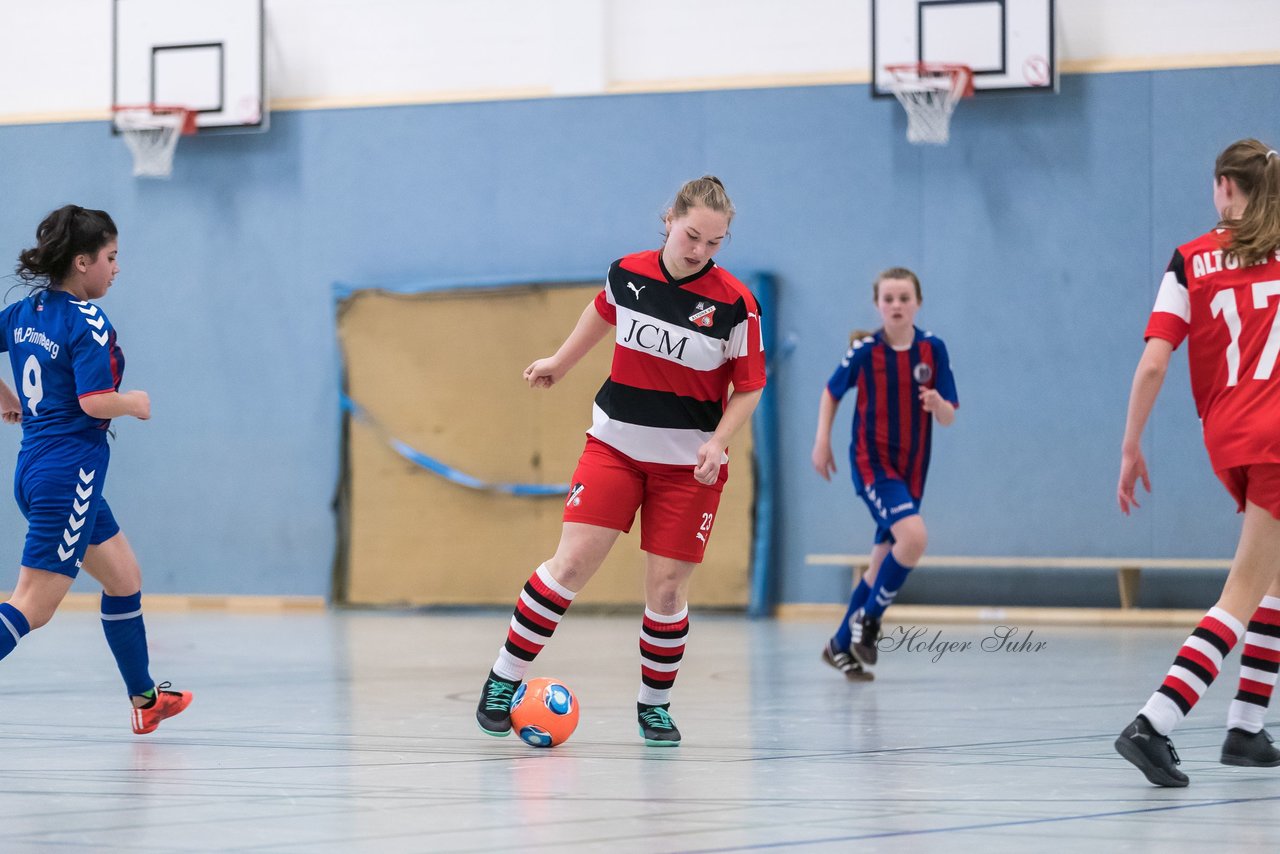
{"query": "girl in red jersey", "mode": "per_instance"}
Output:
(904, 381)
(1221, 293)
(685, 332)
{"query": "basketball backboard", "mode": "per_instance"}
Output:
(1009, 44)
(207, 57)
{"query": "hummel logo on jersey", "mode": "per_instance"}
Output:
(636, 290)
(703, 315)
(574, 495)
(91, 311)
(71, 533)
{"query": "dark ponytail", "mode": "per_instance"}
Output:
(67, 232)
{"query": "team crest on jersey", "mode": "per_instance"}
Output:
(922, 373)
(703, 315)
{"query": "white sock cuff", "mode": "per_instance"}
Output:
(653, 616)
(1246, 716)
(653, 696)
(1161, 712)
(544, 575)
(509, 667)
(1227, 620)
(1272, 602)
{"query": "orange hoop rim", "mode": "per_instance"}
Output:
(956, 70)
(186, 127)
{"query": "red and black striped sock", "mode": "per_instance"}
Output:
(1193, 671)
(539, 610)
(1259, 665)
(661, 648)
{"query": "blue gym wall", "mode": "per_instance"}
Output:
(1040, 234)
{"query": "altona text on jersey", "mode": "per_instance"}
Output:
(28, 335)
(1217, 260)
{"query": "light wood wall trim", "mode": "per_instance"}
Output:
(178, 602)
(842, 77)
(996, 615)
(1113, 64)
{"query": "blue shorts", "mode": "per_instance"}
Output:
(888, 501)
(58, 485)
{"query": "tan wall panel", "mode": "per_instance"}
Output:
(442, 373)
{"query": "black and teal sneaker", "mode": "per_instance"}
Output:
(494, 712)
(656, 726)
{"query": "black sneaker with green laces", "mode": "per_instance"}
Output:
(657, 727)
(494, 712)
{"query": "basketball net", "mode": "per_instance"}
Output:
(929, 92)
(152, 136)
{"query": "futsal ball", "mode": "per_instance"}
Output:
(544, 712)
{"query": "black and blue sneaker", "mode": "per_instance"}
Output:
(494, 712)
(656, 726)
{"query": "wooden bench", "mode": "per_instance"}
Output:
(1128, 569)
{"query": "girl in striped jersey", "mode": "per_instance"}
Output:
(904, 381)
(685, 333)
(1220, 295)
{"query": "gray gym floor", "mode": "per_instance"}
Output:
(353, 731)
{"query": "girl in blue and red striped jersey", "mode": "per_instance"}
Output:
(68, 368)
(685, 333)
(904, 381)
(1219, 295)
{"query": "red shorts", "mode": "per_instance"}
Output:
(1258, 483)
(676, 512)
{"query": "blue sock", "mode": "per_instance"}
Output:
(127, 637)
(844, 634)
(13, 627)
(889, 581)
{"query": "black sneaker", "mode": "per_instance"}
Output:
(1250, 749)
(841, 660)
(1151, 753)
(864, 649)
(656, 726)
(494, 712)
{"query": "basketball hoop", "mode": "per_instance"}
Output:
(152, 132)
(929, 92)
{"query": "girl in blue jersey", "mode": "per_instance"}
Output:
(904, 382)
(67, 370)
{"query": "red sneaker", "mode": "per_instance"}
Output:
(166, 705)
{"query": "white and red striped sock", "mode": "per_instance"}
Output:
(662, 641)
(539, 610)
(1197, 665)
(1259, 665)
